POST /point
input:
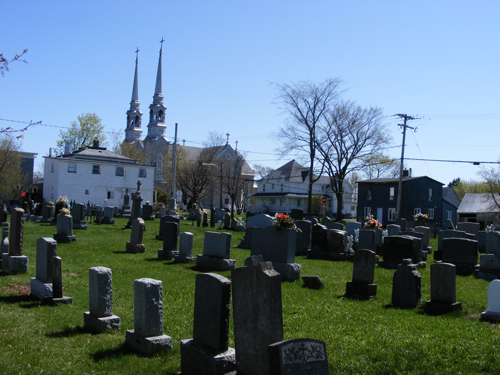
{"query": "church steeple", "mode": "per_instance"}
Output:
(156, 126)
(133, 131)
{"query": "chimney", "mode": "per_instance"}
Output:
(96, 143)
(67, 148)
(50, 152)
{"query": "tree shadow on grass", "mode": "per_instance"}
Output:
(18, 299)
(117, 352)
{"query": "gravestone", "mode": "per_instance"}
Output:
(406, 285)
(4, 245)
(100, 316)
(227, 220)
(397, 248)
(443, 289)
(298, 356)
(351, 226)
(126, 212)
(170, 240)
(212, 218)
(185, 248)
(278, 247)
(260, 221)
(47, 213)
(492, 242)
(4, 214)
(208, 352)
(363, 272)
(205, 220)
(393, 229)
(489, 263)
(426, 232)
(57, 285)
(297, 214)
(41, 285)
(216, 252)
(493, 311)
(148, 212)
(64, 229)
(147, 336)
(401, 223)
(312, 282)
(15, 261)
(446, 234)
(333, 225)
(367, 239)
(422, 255)
(135, 244)
(219, 214)
(303, 237)
(256, 287)
(461, 252)
(163, 220)
(135, 213)
(108, 215)
(246, 240)
(172, 207)
(337, 244)
(318, 241)
(472, 228)
(78, 214)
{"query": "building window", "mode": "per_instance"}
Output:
(368, 193)
(52, 193)
(392, 193)
(142, 172)
(430, 214)
(159, 167)
(322, 188)
(417, 211)
(298, 202)
(353, 208)
(281, 187)
(96, 169)
(71, 168)
(264, 187)
(272, 201)
(111, 194)
(391, 214)
(282, 202)
(119, 171)
(430, 194)
(448, 215)
(87, 192)
(52, 168)
(272, 186)
(367, 212)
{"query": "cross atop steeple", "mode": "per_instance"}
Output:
(227, 135)
(236, 149)
(161, 41)
(137, 54)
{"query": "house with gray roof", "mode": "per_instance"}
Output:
(96, 175)
(450, 207)
(480, 208)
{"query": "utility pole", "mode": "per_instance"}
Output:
(400, 185)
(174, 155)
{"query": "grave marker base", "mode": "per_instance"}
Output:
(439, 307)
(80, 226)
(490, 316)
(200, 359)
(179, 259)
(14, 264)
(39, 289)
(359, 290)
(135, 248)
(56, 301)
(100, 324)
(288, 271)
(326, 255)
(61, 238)
(167, 254)
(210, 263)
(148, 345)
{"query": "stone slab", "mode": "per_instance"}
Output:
(39, 289)
(298, 356)
(167, 254)
(200, 359)
(100, 324)
(210, 263)
(135, 248)
(148, 346)
(288, 271)
(14, 264)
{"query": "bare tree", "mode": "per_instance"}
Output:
(10, 167)
(306, 103)
(378, 165)
(345, 139)
(4, 62)
(261, 171)
(235, 181)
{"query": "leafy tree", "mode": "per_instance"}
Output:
(131, 151)
(10, 167)
(491, 176)
(462, 187)
(306, 104)
(83, 132)
(345, 139)
(378, 165)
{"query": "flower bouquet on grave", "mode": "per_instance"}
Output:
(282, 221)
(371, 223)
(61, 203)
(420, 216)
(65, 211)
(50, 203)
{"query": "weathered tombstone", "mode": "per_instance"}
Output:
(208, 352)
(185, 248)
(135, 213)
(41, 285)
(397, 248)
(205, 220)
(493, 312)
(78, 214)
(489, 267)
(304, 237)
(100, 316)
(234, 223)
(3, 214)
(461, 252)
(246, 240)
(212, 217)
(15, 261)
(57, 285)
(171, 207)
(216, 252)
(297, 214)
(126, 205)
(351, 226)
(4, 245)
(135, 244)
(260, 221)
(406, 285)
(363, 272)
(147, 336)
(367, 239)
(148, 212)
(472, 228)
(312, 282)
(227, 220)
(108, 215)
(256, 287)
(163, 220)
(426, 232)
(47, 213)
(422, 255)
(318, 241)
(333, 225)
(278, 247)
(170, 240)
(401, 223)
(64, 229)
(336, 244)
(492, 240)
(443, 289)
(446, 234)
(162, 210)
(393, 229)
(298, 356)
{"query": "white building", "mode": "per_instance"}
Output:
(286, 188)
(95, 175)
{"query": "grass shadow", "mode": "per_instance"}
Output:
(70, 332)
(119, 351)
(120, 252)
(17, 299)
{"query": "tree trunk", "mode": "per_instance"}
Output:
(339, 195)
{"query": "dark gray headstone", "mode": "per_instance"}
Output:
(303, 237)
(298, 356)
(443, 289)
(406, 285)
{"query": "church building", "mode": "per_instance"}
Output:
(156, 146)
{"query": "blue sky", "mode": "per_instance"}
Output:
(436, 60)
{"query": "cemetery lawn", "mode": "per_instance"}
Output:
(362, 337)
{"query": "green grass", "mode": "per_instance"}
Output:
(362, 337)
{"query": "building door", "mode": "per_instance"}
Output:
(380, 212)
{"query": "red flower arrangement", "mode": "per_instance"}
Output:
(282, 221)
(371, 223)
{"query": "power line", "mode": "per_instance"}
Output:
(457, 161)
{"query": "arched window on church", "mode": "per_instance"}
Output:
(159, 167)
(160, 116)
